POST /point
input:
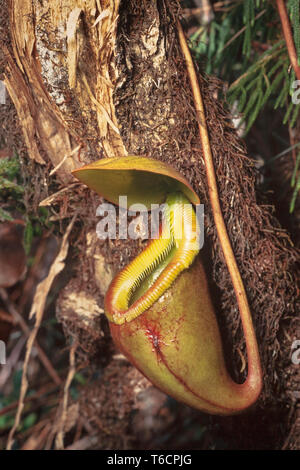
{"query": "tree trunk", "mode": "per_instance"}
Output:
(102, 78)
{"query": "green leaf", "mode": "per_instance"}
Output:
(288, 112)
(10, 185)
(10, 167)
(80, 378)
(293, 179)
(5, 215)
(29, 421)
(255, 112)
(293, 6)
(295, 115)
(294, 196)
(254, 96)
(28, 236)
(281, 99)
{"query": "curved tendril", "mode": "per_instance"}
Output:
(178, 243)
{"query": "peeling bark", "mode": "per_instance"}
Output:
(63, 82)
